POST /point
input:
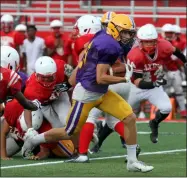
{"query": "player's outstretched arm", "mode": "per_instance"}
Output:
(27, 104)
(4, 131)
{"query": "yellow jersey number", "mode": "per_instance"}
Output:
(83, 60)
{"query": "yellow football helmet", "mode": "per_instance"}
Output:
(120, 23)
(107, 17)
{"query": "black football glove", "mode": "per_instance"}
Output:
(159, 82)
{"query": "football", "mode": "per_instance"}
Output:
(118, 69)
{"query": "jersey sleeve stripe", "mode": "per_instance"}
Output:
(13, 78)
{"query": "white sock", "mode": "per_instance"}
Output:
(40, 138)
(131, 152)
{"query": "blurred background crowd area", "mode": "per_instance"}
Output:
(40, 14)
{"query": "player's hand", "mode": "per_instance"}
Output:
(129, 71)
(36, 103)
(62, 87)
(68, 69)
(159, 82)
(6, 158)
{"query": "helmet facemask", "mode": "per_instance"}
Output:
(127, 36)
(7, 26)
(169, 36)
(46, 80)
(149, 46)
(56, 31)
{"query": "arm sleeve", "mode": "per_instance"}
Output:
(180, 55)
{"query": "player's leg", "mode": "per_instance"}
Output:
(76, 118)
(123, 89)
(61, 107)
(12, 146)
(51, 116)
(86, 134)
(115, 105)
(160, 99)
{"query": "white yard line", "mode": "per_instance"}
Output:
(92, 159)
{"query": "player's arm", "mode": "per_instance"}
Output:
(28, 118)
(4, 131)
(141, 83)
(177, 52)
(27, 104)
(72, 78)
(103, 78)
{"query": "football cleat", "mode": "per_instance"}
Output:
(154, 131)
(95, 149)
(81, 158)
(27, 148)
(138, 166)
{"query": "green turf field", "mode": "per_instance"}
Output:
(168, 157)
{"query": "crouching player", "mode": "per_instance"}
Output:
(15, 126)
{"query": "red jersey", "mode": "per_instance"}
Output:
(144, 64)
(12, 112)
(10, 83)
(19, 37)
(179, 43)
(34, 90)
(8, 39)
(62, 52)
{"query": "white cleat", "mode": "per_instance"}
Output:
(27, 148)
(138, 166)
(79, 159)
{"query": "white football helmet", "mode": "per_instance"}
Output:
(147, 32)
(7, 22)
(177, 29)
(147, 37)
(56, 23)
(168, 32)
(87, 24)
(37, 119)
(21, 27)
(7, 18)
(45, 68)
(9, 58)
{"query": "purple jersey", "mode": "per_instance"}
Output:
(103, 49)
(24, 78)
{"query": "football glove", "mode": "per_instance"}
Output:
(62, 87)
(36, 103)
(68, 69)
(159, 82)
(129, 71)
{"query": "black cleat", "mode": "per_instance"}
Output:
(123, 142)
(154, 129)
(95, 149)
